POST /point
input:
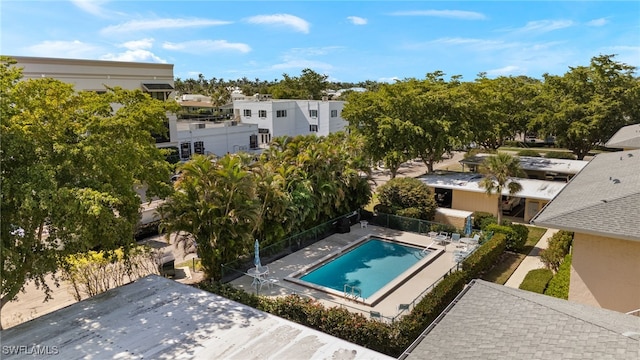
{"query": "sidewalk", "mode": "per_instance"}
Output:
(531, 262)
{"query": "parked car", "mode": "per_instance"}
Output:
(509, 203)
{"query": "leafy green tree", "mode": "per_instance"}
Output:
(588, 104)
(498, 171)
(70, 165)
(381, 119)
(500, 108)
(435, 109)
(408, 197)
(214, 204)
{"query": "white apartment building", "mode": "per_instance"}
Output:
(217, 138)
(289, 117)
(95, 75)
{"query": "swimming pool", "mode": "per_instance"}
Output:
(370, 268)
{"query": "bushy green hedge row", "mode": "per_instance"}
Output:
(529, 152)
(536, 280)
(559, 155)
(485, 257)
(558, 247)
(515, 234)
(428, 309)
(559, 285)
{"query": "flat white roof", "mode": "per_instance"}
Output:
(157, 318)
(531, 188)
(534, 163)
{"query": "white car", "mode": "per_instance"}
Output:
(509, 202)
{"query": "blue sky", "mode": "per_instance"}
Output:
(349, 41)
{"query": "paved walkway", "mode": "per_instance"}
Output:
(531, 262)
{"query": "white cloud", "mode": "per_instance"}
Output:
(139, 55)
(477, 44)
(142, 25)
(298, 24)
(389, 79)
(68, 49)
(452, 14)
(138, 44)
(505, 71)
(541, 26)
(356, 20)
(301, 64)
(199, 46)
(93, 7)
(311, 51)
(598, 22)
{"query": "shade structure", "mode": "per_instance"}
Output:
(256, 257)
(468, 226)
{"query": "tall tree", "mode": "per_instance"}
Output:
(215, 204)
(70, 165)
(381, 118)
(587, 105)
(498, 172)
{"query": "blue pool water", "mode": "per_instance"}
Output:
(369, 266)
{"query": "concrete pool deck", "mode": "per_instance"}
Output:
(388, 306)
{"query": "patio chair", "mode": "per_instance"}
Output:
(455, 237)
(476, 238)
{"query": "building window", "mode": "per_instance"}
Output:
(247, 112)
(185, 150)
(198, 147)
(313, 128)
(334, 113)
(262, 113)
(281, 113)
(313, 113)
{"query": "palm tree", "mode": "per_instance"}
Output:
(215, 204)
(498, 171)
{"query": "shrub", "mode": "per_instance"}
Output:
(428, 309)
(481, 219)
(559, 284)
(485, 257)
(560, 155)
(557, 249)
(529, 152)
(536, 280)
(514, 239)
(522, 234)
(407, 193)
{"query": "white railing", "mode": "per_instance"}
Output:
(352, 292)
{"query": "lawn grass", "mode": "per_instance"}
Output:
(509, 261)
(189, 264)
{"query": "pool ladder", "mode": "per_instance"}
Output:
(352, 292)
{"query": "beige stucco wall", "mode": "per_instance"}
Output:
(605, 272)
(532, 207)
(475, 201)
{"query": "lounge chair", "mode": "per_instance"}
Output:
(455, 237)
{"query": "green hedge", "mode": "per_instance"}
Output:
(560, 155)
(516, 235)
(427, 310)
(559, 284)
(529, 152)
(558, 247)
(485, 257)
(481, 219)
(536, 280)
